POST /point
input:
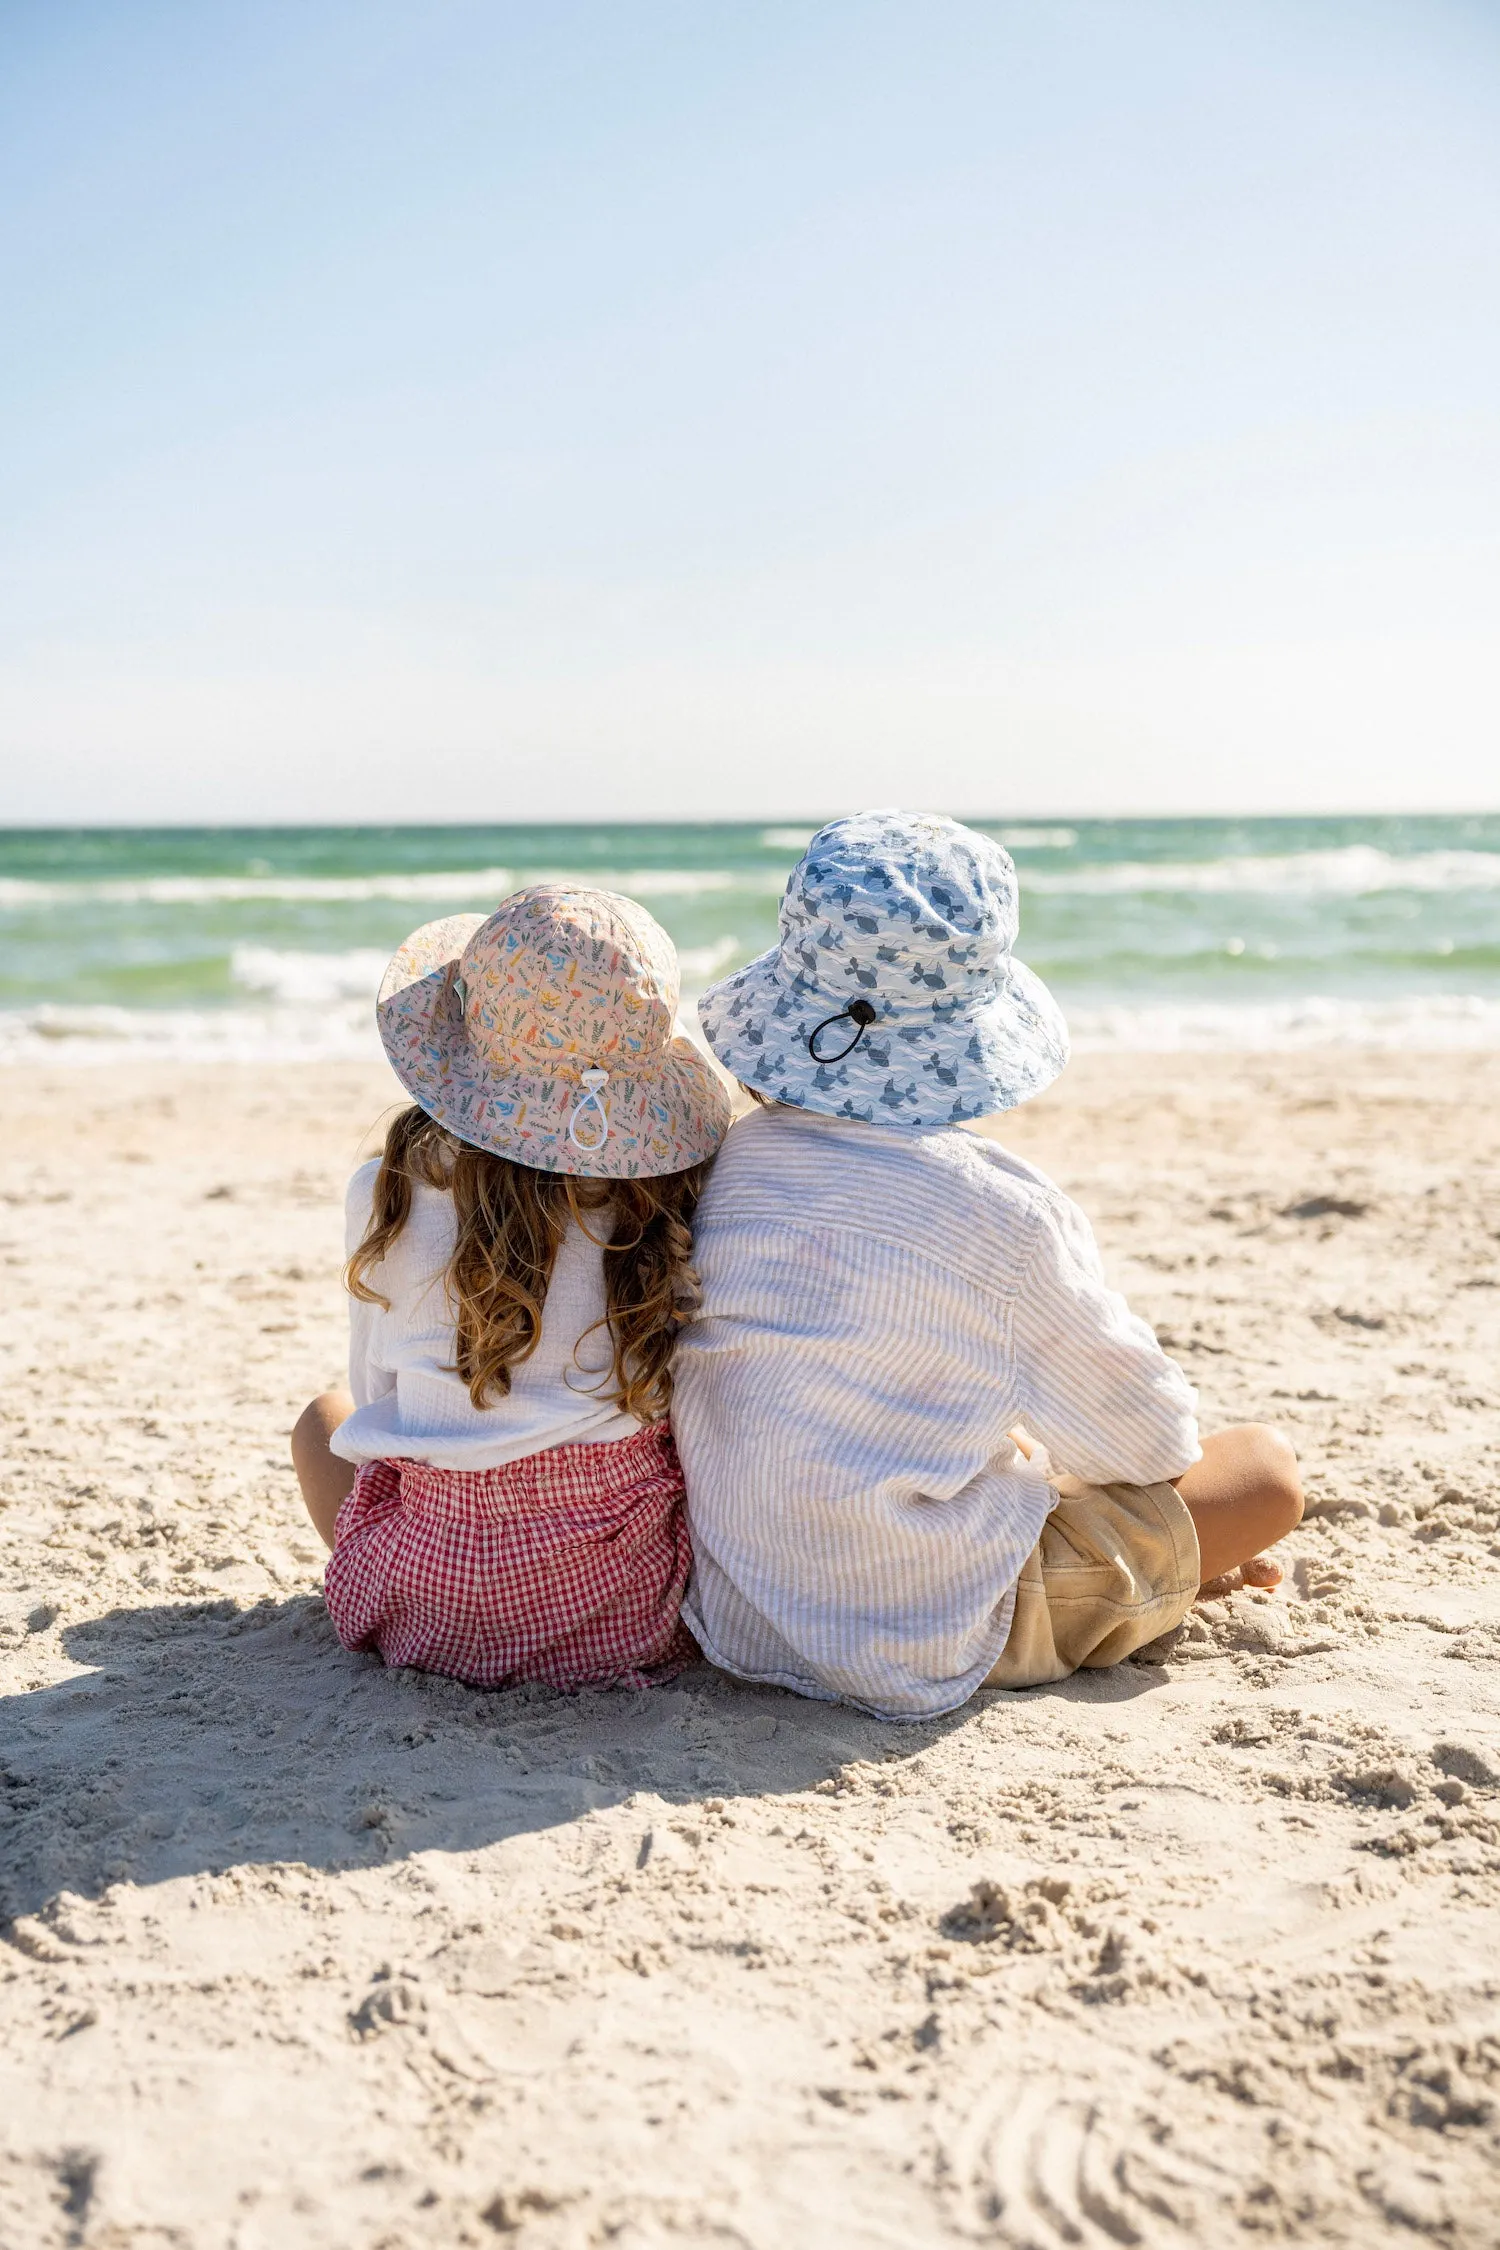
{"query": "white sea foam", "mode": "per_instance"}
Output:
(307, 979)
(189, 1035)
(316, 979)
(671, 882)
(1354, 870)
(1445, 1021)
(327, 1028)
(298, 1007)
(480, 886)
(217, 890)
(700, 964)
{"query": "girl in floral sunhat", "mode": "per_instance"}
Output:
(499, 1485)
(895, 1311)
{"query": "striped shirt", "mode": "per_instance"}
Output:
(879, 1307)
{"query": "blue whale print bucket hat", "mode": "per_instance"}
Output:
(892, 994)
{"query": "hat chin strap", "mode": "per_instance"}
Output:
(594, 1082)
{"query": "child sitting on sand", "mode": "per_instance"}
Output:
(894, 1311)
(519, 1266)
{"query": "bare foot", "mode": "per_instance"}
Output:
(1260, 1570)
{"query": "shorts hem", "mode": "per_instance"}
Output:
(1061, 1626)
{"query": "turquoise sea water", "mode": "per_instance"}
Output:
(1153, 933)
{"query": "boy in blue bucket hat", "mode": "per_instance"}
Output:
(927, 1449)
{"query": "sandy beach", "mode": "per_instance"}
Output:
(300, 1952)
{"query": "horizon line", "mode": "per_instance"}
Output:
(760, 820)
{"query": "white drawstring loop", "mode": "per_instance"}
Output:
(594, 1081)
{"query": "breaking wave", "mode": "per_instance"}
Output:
(473, 886)
(1351, 871)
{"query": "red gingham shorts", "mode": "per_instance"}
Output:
(567, 1566)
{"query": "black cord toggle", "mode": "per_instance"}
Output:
(860, 1013)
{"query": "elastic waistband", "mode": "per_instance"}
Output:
(570, 1475)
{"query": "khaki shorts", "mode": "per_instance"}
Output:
(1116, 1565)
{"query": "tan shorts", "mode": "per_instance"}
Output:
(1116, 1565)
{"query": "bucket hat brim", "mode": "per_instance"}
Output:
(909, 1068)
(661, 1120)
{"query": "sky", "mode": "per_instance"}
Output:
(688, 409)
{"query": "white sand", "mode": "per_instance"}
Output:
(308, 1953)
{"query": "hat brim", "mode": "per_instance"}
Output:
(905, 1071)
(660, 1121)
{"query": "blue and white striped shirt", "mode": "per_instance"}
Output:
(879, 1307)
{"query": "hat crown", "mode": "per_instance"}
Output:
(904, 906)
(565, 978)
(917, 916)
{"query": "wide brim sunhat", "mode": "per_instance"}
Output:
(907, 920)
(545, 1033)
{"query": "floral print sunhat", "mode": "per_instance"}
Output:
(892, 994)
(547, 1033)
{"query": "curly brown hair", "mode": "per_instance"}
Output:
(511, 1219)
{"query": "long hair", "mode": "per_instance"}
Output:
(511, 1219)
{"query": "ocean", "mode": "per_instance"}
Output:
(267, 944)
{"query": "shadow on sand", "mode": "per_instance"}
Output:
(205, 1736)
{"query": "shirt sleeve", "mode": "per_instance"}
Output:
(1095, 1385)
(368, 1380)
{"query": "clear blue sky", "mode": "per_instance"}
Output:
(640, 408)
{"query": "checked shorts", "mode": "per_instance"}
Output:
(566, 1566)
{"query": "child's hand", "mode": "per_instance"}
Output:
(1022, 1439)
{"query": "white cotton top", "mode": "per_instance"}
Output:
(409, 1402)
(879, 1307)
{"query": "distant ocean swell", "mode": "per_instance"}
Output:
(1351, 872)
(1157, 936)
(1356, 871)
(441, 887)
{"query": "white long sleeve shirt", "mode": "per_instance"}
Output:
(409, 1401)
(879, 1307)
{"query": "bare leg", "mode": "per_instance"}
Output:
(326, 1481)
(1243, 1495)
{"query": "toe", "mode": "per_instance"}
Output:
(1259, 1571)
